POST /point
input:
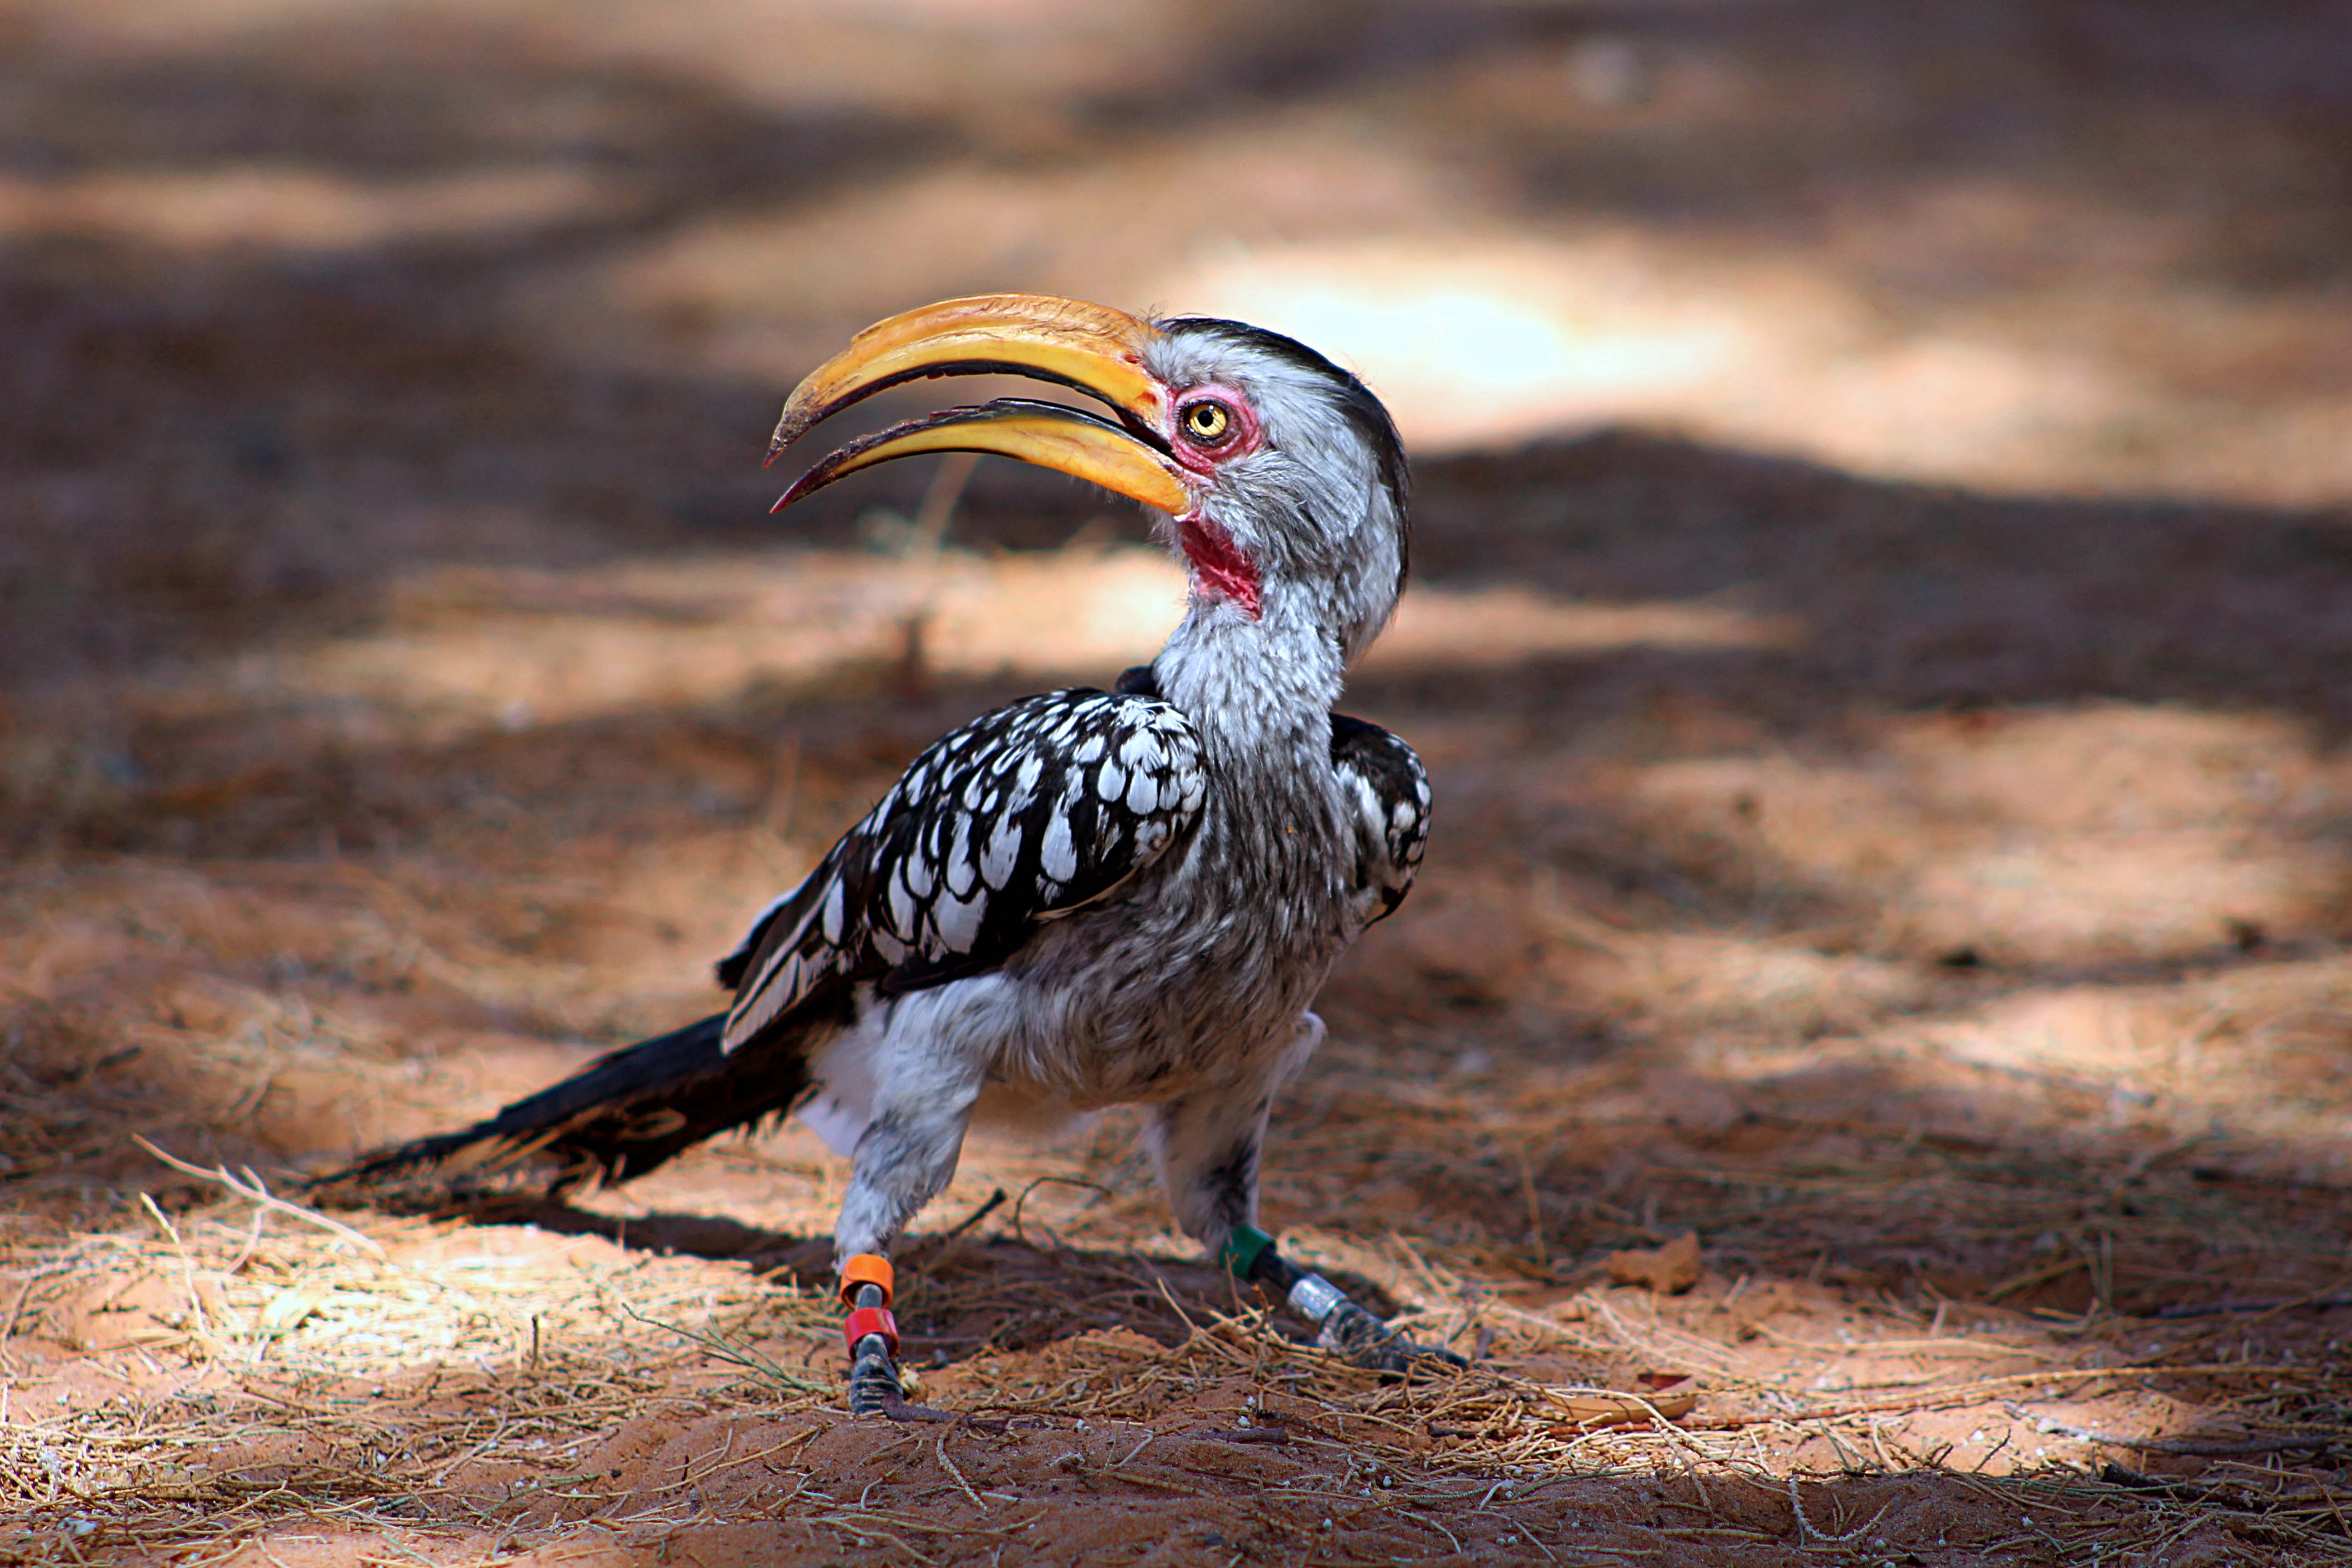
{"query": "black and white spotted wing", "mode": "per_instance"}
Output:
(1024, 815)
(1383, 779)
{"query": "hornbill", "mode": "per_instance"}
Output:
(1083, 899)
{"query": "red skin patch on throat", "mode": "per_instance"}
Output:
(1219, 565)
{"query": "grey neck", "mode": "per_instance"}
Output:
(1257, 691)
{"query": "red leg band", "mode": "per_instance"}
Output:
(871, 1320)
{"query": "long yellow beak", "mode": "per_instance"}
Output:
(1090, 348)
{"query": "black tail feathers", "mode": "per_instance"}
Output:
(619, 1117)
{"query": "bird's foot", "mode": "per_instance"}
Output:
(875, 1390)
(1341, 1326)
(866, 1284)
(1361, 1340)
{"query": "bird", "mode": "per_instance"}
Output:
(1082, 899)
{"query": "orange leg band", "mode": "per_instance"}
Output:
(866, 1269)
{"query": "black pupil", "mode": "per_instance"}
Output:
(1207, 419)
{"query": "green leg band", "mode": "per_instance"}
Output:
(1242, 1248)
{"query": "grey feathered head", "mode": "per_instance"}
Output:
(1310, 484)
(1281, 475)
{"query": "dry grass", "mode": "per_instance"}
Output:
(516, 1391)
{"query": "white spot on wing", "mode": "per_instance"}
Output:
(958, 921)
(1003, 847)
(961, 872)
(1024, 782)
(833, 913)
(1056, 856)
(1142, 796)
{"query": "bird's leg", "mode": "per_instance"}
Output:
(872, 1332)
(1207, 1145)
(1342, 1327)
(904, 1157)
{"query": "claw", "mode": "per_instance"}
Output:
(1362, 1340)
(873, 1387)
(874, 1391)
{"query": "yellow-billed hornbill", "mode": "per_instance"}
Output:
(1083, 899)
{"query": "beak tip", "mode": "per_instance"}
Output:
(808, 484)
(789, 427)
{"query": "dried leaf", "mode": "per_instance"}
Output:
(1671, 1396)
(1670, 1269)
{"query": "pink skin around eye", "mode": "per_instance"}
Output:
(1245, 436)
(1220, 567)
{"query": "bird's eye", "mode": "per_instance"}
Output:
(1208, 421)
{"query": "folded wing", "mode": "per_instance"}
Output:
(1024, 816)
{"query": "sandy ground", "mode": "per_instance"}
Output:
(1884, 595)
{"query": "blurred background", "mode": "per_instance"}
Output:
(305, 297)
(1884, 610)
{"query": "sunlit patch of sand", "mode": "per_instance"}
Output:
(1498, 627)
(1483, 334)
(1472, 345)
(2091, 832)
(293, 208)
(1696, 982)
(2252, 1058)
(1479, 342)
(801, 55)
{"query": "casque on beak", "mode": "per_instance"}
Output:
(1092, 349)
